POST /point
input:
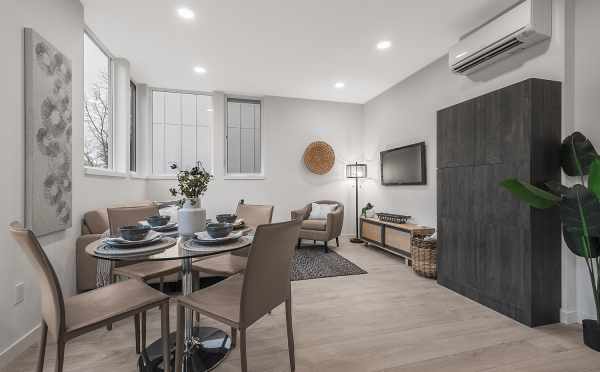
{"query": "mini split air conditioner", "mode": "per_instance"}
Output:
(519, 27)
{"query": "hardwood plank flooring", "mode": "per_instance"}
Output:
(388, 320)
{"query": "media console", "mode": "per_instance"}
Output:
(391, 237)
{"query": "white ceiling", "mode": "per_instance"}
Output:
(294, 48)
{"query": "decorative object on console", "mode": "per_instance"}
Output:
(191, 186)
(579, 210)
(367, 208)
(319, 157)
(423, 253)
(48, 118)
(356, 171)
(394, 218)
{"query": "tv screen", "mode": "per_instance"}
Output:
(404, 165)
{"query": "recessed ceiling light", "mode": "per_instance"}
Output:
(185, 13)
(209, 109)
(384, 44)
(340, 84)
(199, 70)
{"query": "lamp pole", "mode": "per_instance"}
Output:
(356, 239)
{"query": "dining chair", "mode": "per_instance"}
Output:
(241, 300)
(143, 271)
(233, 263)
(67, 318)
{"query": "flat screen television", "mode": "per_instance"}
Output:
(404, 165)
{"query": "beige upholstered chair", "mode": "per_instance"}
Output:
(234, 263)
(80, 314)
(242, 299)
(322, 230)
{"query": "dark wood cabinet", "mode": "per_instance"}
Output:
(491, 247)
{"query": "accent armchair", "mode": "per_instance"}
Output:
(321, 229)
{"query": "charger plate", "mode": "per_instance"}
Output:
(193, 245)
(108, 251)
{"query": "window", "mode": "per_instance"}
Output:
(181, 129)
(132, 126)
(243, 139)
(97, 106)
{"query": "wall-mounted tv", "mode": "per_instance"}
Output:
(404, 165)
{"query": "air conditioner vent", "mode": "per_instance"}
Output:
(489, 54)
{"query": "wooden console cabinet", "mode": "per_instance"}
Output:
(392, 237)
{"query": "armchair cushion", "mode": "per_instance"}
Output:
(320, 211)
(320, 225)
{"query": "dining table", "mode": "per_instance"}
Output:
(205, 347)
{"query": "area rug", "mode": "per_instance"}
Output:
(311, 262)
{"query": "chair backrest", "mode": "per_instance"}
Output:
(254, 214)
(124, 216)
(95, 222)
(267, 275)
(53, 306)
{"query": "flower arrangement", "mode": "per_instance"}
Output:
(192, 184)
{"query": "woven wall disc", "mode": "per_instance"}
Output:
(319, 157)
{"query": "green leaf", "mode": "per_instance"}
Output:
(577, 154)
(594, 180)
(530, 194)
(580, 211)
(575, 243)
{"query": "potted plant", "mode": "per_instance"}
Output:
(191, 185)
(579, 212)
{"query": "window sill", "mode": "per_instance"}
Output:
(89, 171)
(161, 177)
(244, 177)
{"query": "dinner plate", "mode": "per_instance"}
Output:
(119, 242)
(158, 246)
(168, 227)
(204, 238)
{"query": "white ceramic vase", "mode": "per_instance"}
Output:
(191, 218)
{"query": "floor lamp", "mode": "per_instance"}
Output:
(356, 171)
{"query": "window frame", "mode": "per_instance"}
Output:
(111, 169)
(243, 176)
(132, 126)
(208, 167)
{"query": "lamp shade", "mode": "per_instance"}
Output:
(356, 170)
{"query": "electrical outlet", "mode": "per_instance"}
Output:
(19, 293)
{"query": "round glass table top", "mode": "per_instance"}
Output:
(166, 249)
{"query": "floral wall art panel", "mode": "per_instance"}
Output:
(48, 119)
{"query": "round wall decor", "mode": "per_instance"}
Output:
(319, 157)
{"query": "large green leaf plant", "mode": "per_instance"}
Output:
(579, 204)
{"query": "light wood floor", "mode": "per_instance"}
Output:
(389, 320)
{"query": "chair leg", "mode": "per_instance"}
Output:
(233, 337)
(299, 242)
(42, 350)
(243, 358)
(290, 333)
(314, 242)
(60, 356)
(337, 241)
(143, 335)
(325, 247)
(162, 284)
(179, 339)
(164, 327)
(109, 327)
(136, 321)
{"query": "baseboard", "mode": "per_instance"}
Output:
(568, 316)
(19, 346)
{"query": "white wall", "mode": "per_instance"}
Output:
(61, 23)
(586, 109)
(290, 125)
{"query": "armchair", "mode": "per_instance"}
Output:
(320, 229)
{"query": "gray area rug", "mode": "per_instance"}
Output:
(310, 262)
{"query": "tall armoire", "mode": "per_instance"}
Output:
(493, 248)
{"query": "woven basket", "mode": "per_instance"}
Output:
(424, 255)
(319, 157)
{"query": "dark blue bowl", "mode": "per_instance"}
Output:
(156, 221)
(134, 233)
(219, 230)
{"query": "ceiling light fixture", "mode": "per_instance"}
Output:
(185, 13)
(199, 70)
(384, 44)
(340, 85)
(209, 109)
